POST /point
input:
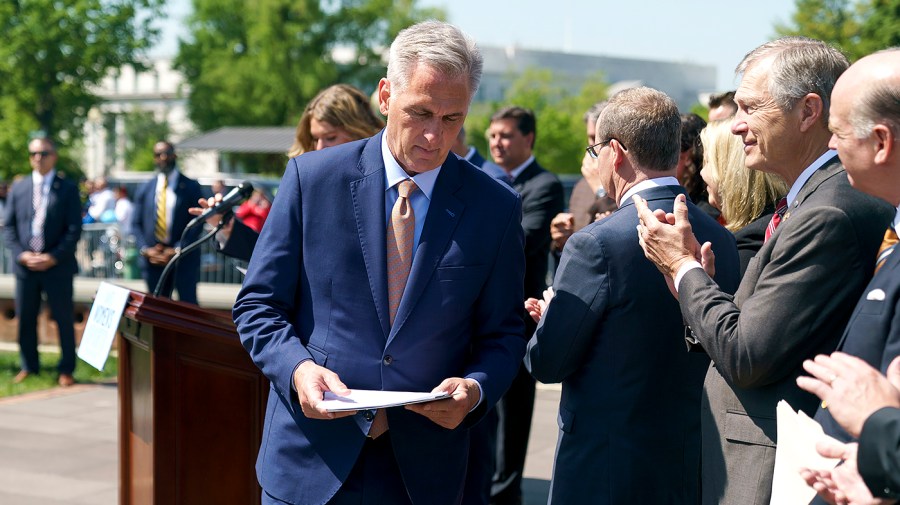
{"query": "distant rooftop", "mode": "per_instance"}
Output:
(243, 139)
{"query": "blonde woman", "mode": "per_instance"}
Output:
(745, 197)
(338, 114)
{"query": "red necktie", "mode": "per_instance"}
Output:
(777, 217)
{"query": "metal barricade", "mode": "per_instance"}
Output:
(102, 253)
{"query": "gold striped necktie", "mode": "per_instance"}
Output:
(161, 225)
(887, 247)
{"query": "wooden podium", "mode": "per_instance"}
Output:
(191, 406)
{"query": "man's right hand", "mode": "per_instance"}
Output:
(213, 220)
(311, 381)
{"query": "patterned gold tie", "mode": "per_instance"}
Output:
(400, 235)
(161, 227)
(887, 247)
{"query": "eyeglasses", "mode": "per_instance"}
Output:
(595, 152)
(42, 153)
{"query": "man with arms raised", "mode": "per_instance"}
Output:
(798, 292)
(418, 287)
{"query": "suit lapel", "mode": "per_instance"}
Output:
(368, 208)
(830, 169)
(444, 214)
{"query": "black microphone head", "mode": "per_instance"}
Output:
(245, 188)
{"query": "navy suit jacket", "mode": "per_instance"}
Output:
(241, 242)
(187, 193)
(542, 199)
(873, 333)
(629, 415)
(62, 226)
(316, 288)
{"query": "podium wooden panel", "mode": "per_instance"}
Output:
(191, 407)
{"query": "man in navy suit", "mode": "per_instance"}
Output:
(865, 127)
(630, 409)
(41, 229)
(316, 315)
(161, 215)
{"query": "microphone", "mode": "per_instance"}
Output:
(234, 197)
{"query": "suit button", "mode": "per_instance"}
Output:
(387, 360)
(367, 415)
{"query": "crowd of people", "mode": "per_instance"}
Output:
(705, 272)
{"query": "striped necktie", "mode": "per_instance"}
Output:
(40, 216)
(161, 231)
(777, 217)
(887, 247)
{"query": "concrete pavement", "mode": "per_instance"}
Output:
(59, 447)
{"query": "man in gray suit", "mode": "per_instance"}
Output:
(798, 292)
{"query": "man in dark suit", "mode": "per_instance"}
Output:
(511, 136)
(160, 217)
(630, 408)
(865, 124)
(798, 292)
(41, 229)
(318, 315)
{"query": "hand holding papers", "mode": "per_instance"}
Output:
(797, 437)
(362, 399)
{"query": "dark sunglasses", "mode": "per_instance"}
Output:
(42, 153)
(163, 153)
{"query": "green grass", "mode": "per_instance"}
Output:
(84, 373)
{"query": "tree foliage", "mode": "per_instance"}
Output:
(51, 56)
(561, 139)
(858, 27)
(259, 63)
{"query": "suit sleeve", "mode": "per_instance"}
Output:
(808, 283)
(70, 211)
(878, 457)
(564, 334)
(499, 329)
(268, 299)
(241, 242)
(545, 201)
(137, 221)
(10, 224)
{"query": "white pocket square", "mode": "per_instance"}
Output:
(875, 294)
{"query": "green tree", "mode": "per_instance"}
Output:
(52, 54)
(858, 27)
(561, 136)
(259, 63)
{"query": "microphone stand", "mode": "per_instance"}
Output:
(185, 250)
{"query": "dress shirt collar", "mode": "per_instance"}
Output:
(896, 224)
(37, 178)
(468, 156)
(521, 168)
(647, 184)
(395, 174)
(172, 177)
(806, 174)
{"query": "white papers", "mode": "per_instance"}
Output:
(797, 437)
(362, 399)
(102, 324)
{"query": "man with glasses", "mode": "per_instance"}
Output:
(161, 214)
(630, 409)
(42, 225)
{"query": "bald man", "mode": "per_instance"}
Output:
(865, 126)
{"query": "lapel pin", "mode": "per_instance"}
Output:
(450, 213)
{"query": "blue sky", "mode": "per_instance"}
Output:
(705, 32)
